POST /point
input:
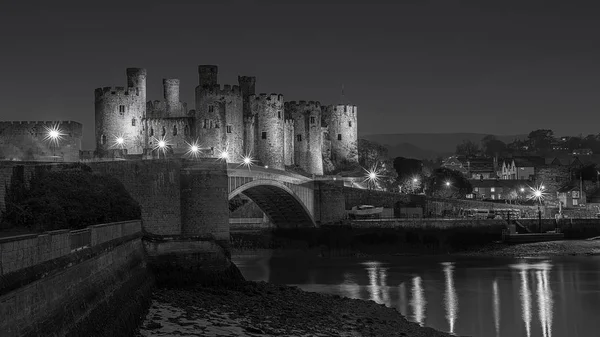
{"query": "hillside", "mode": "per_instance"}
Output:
(429, 145)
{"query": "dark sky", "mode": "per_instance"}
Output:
(503, 67)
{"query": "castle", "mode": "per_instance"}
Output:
(229, 121)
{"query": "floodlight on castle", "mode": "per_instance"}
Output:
(53, 134)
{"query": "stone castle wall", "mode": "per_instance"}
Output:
(288, 142)
(177, 132)
(308, 135)
(342, 124)
(269, 113)
(29, 141)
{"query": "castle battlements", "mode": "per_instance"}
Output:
(224, 90)
(303, 105)
(103, 92)
(267, 97)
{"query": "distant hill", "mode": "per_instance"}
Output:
(429, 145)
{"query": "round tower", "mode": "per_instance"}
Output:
(247, 85)
(171, 94)
(219, 120)
(207, 75)
(268, 110)
(119, 112)
(288, 141)
(308, 135)
(341, 121)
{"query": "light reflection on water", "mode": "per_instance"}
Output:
(476, 297)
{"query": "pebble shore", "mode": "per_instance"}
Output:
(263, 309)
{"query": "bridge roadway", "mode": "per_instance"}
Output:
(287, 198)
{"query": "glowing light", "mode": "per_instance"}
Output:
(53, 134)
(373, 175)
(496, 307)
(224, 155)
(415, 180)
(418, 302)
(522, 189)
(193, 149)
(266, 166)
(537, 193)
(448, 183)
(118, 141)
(161, 145)
(247, 161)
(450, 296)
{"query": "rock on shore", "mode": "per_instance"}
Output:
(264, 309)
(538, 249)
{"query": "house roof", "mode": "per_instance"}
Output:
(504, 183)
(568, 188)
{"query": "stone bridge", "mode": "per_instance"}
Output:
(288, 199)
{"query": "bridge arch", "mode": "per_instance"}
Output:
(278, 202)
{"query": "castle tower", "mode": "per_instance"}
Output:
(341, 121)
(208, 75)
(171, 94)
(119, 112)
(268, 110)
(288, 141)
(247, 86)
(308, 135)
(219, 115)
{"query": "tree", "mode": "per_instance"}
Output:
(371, 153)
(541, 140)
(467, 148)
(446, 183)
(73, 198)
(407, 167)
(373, 156)
(493, 146)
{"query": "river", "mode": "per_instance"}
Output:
(558, 296)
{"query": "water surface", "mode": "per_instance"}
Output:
(464, 296)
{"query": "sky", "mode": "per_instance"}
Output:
(497, 67)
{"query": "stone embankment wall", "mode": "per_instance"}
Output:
(573, 228)
(73, 283)
(376, 237)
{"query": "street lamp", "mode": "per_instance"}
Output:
(247, 161)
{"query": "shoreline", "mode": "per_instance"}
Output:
(265, 309)
(537, 249)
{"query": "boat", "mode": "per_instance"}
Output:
(511, 236)
(365, 212)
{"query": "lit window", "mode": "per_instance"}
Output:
(264, 135)
(339, 136)
(299, 138)
(228, 128)
(575, 202)
(492, 189)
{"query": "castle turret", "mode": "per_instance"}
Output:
(219, 115)
(268, 110)
(119, 112)
(247, 85)
(171, 93)
(308, 134)
(341, 121)
(208, 75)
